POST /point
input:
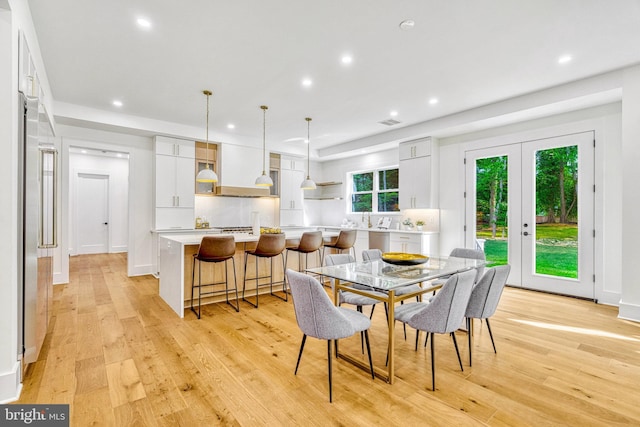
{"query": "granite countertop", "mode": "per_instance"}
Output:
(195, 238)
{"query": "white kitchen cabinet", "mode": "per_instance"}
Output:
(415, 175)
(361, 243)
(414, 243)
(175, 147)
(293, 163)
(291, 195)
(175, 182)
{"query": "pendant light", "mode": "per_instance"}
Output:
(308, 183)
(206, 174)
(264, 180)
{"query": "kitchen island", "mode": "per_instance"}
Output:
(176, 265)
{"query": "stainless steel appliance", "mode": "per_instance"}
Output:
(37, 228)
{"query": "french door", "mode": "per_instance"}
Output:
(531, 204)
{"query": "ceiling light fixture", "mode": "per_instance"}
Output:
(307, 82)
(564, 59)
(144, 23)
(264, 180)
(231, 126)
(308, 183)
(347, 59)
(433, 101)
(394, 113)
(407, 25)
(117, 103)
(206, 174)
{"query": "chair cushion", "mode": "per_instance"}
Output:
(355, 299)
(406, 311)
(408, 289)
(359, 321)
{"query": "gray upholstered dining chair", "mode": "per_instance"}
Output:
(470, 254)
(484, 299)
(376, 254)
(442, 315)
(317, 317)
(346, 297)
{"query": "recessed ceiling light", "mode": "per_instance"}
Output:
(407, 24)
(433, 101)
(294, 139)
(393, 113)
(144, 23)
(231, 126)
(83, 151)
(119, 154)
(564, 59)
(306, 82)
(347, 59)
(117, 103)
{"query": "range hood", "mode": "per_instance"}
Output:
(225, 190)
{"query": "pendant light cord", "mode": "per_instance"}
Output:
(308, 119)
(264, 143)
(208, 94)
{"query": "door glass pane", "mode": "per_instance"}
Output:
(492, 228)
(556, 228)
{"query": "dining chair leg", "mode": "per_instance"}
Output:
(455, 344)
(433, 363)
(193, 283)
(469, 337)
(418, 338)
(329, 363)
(304, 339)
(359, 309)
(491, 335)
(373, 307)
(366, 337)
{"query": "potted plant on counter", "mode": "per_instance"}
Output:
(408, 225)
(419, 224)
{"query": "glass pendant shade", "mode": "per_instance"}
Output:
(308, 184)
(264, 180)
(206, 174)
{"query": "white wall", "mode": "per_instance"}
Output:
(117, 169)
(630, 251)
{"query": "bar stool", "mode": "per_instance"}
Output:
(214, 249)
(269, 246)
(345, 241)
(311, 241)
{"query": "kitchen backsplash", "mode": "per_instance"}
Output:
(235, 211)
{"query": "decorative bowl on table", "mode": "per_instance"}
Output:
(401, 258)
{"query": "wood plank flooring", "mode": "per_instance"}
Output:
(120, 356)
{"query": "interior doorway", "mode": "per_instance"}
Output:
(92, 213)
(531, 205)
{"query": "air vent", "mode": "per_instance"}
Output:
(389, 122)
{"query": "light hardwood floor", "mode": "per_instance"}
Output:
(119, 356)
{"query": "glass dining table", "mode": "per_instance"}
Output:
(387, 279)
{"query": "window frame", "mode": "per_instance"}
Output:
(374, 192)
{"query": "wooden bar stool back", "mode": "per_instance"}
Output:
(269, 246)
(345, 241)
(214, 249)
(311, 241)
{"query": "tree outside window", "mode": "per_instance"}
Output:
(375, 191)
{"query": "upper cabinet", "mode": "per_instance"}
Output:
(206, 154)
(416, 175)
(174, 179)
(239, 167)
(291, 195)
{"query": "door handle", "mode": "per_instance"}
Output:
(526, 233)
(106, 223)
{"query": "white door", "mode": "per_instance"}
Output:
(92, 214)
(531, 204)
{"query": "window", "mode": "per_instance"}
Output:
(375, 191)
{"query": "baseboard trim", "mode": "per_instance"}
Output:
(10, 385)
(629, 311)
(140, 270)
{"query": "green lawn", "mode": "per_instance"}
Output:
(556, 250)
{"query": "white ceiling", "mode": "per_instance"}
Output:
(252, 52)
